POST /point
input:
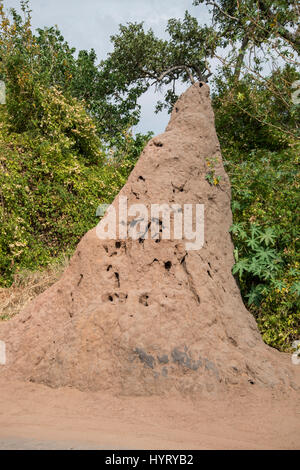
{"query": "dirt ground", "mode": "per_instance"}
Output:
(37, 417)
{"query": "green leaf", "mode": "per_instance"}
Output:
(240, 267)
(268, 237)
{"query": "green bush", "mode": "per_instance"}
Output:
(262, 157)
(266, 238)
(55, 166)
(52, 180)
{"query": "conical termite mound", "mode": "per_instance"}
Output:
(153, 312)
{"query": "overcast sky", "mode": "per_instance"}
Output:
(87, 24)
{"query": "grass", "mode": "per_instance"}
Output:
(26, 286)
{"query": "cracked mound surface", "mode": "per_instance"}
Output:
(147, 316)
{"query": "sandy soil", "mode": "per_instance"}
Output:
(37, 417)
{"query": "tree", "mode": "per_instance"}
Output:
(244, 36)
(29, 59)
(58, 162)
(141, 60)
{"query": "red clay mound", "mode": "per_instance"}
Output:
(149, 316)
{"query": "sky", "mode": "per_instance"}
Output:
(87, 24)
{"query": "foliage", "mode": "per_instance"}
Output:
(245, 37)
(54, 168)
(145, 60)
(211, 175)
(260, 21)
(262, 165)
(141, 60)
(45, 59)
(52, 183)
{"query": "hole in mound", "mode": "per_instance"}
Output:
(179, 189)
(109, 267)
(144, 299)
(118, 279)
(80, 279)
(158, 144)
(141, 178)
(233, 341)
(118, 244)
(168, 265)
(120, 297)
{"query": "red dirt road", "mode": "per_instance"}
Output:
(37, 417)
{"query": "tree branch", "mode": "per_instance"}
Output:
(240, 58)
(177, 67)
(293, 39)
(214, 4)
